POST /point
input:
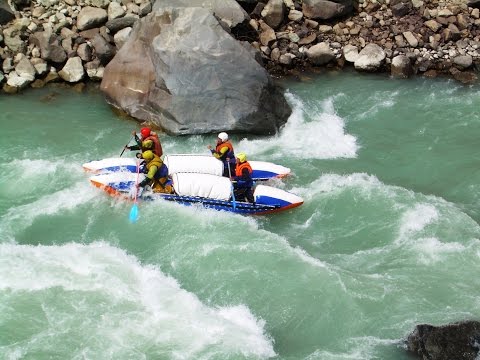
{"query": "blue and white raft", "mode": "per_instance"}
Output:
(188, 163)
(210, 191)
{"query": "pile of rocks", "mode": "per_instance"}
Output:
(52, 40)
(73, 40)
(398, 36)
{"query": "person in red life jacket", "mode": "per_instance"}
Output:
(156, 173)
(224, 151)
(148, 141)
(243, 182)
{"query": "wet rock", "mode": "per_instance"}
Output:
(454, 341)
(401, 67)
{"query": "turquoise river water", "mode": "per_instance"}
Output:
(388, 236)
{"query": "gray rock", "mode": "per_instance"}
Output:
(84, 51)
(180, 70)
(121, 37)
(464, 61)
(17, 81)
(320, 54)
(433, 25)
(25, 69)
(103, 49)
(267, 34)
(411, 39)
(370, 58)
(145, 9)
(295, 15)
(41, 66)
(273, 13)
(7, 65)
(115, 10)
(73, 70)
(98, 3)
(350, 53)
(120, 23)
(12, 35)
(49, 45)
(401, 67)
(323, 9)
(91, 17)
(94, 70)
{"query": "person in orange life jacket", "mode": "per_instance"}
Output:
(224, 151)
(156, 173)
(148, 141)
(243, 182)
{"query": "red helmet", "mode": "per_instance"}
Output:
(145, 132)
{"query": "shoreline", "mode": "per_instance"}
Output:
(72, 41)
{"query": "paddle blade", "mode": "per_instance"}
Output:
(134, 213)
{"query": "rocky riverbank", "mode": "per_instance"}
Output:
(42, 41)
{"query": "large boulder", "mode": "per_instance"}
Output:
(453, 341)
(181, 70)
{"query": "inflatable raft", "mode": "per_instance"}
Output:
(210, 191)
(188, 163)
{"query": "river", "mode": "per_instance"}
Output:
(388, 236)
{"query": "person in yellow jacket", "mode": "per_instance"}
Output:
(156, 173)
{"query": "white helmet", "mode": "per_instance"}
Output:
(223, 136)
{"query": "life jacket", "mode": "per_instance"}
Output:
(157, 147)
(229, 154)
(241, 166)
(162, 170)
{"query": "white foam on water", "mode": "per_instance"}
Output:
(27, 176)
(431, 250)
(416, 219)
(362, 348)
(334, 183)
(380, 100)
(21, 217)
(313, 130)
(139, 308)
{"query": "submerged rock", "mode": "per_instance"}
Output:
(449, 342)
(182, 71)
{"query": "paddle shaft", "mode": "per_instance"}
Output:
(126, 145)
(233, 192)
